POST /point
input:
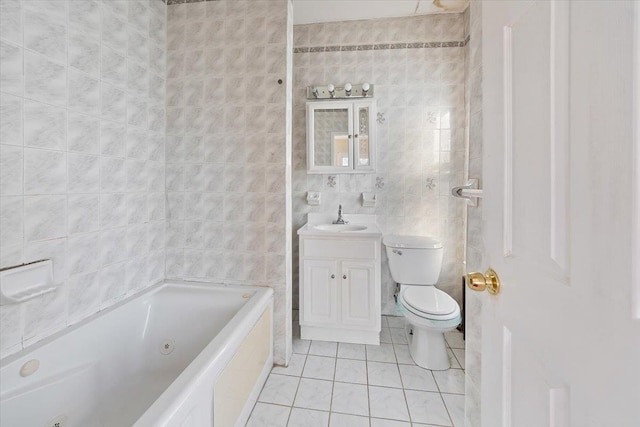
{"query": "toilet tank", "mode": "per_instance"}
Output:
(414, 260)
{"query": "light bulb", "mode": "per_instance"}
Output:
(365, 87)
(331, 88)
(315, 92)
(347, 87)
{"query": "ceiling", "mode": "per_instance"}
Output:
(314, 11)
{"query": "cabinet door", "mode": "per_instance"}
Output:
(319, 293)
(330, 137)
(359, 294)
(364, 146)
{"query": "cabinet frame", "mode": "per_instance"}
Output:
(352, 108)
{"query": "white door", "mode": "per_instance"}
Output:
(561, 342)
(319, 294)
(358, 294)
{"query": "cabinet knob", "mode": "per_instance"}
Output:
(333, 276)
(344, 276)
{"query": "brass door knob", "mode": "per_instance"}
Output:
(489, 281)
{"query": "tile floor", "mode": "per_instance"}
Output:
(350, 385)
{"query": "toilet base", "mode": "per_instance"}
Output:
(427, 347)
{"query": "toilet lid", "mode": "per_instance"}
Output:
(428, 299)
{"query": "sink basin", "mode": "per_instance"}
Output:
(340, 227)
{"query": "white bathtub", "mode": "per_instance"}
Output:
(178, 354)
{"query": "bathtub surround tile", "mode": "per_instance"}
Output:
(43, 315)
(279, 389)
(67, 168)
(11, 172)
(11, 111)
(11, 75)
(44, 80)
(45, 126)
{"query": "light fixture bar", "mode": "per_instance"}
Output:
(347, 91)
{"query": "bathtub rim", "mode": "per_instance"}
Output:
(211, 359)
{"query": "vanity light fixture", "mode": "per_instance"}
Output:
(346, 91)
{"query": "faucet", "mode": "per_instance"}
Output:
(340, 220)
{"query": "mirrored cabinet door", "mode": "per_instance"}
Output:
(339, 137)
(363, 136)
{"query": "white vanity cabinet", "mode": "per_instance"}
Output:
(340, 288)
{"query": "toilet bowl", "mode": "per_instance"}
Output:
(415, 263)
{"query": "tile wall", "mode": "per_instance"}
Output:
(228, 147)
(474, 246)
(82, 112)
(417, 67)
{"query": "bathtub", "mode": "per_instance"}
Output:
(178, 354)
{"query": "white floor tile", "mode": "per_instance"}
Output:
(350, 399)
(454, 339)
(379, 422)
(385, 336)
(452, 359)
(280, 389)
(343, 420)
(266, 415)
(351, 351)
(323, 348)
(460, 355)
(296, 364)
(314, 394)
(455, 406)
(308, 418)
(427, 407)
(450, 381)
(381, 353)
(301, 346)
(403, 355)
(417, 378)
(351, 371)
(398, 336)
(388, 403)
(384, 374)
(319, 367)
(395, 321)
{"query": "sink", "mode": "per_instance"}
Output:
(340, 227)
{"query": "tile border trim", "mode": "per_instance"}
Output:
(379, 46)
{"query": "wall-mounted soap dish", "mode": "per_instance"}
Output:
(23, 282)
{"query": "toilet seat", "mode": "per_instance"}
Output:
(428, 302)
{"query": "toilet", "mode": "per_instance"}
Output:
(415, 263)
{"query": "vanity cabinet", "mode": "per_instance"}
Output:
(341, 136)
(340, 289)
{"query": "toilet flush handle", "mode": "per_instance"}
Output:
(397, 252)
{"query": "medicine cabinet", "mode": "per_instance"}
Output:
(341, 136)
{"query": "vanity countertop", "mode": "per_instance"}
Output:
(325, 222)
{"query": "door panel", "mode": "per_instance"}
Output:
(358, 296)
(560, 340)
(319, 293)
